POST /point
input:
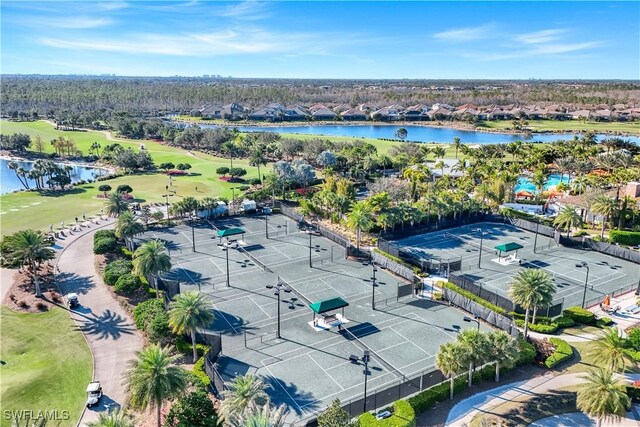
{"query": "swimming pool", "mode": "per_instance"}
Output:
(524, 184)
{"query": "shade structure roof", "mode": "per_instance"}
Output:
(508, 247)
(328, 305)
(230, 232)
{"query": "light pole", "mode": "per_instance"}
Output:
(310, 264)
(365, 359)
(469, 320)
(278, 287)
(233, 198)
(166, 196)
(193, 236)
(586, 280)
(535, 241)
(482, 234)
(266, 225)
(373, 286)
(226, 247)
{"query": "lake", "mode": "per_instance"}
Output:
(414, 133)
(9, 182)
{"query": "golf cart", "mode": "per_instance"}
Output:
(72, 300)
(94, 393)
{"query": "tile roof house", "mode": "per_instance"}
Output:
(416, 112)
(601, 115)
(320, 112)
(294, 114)
(579, 114)
(388, 114)
(354, 114)
(271, 113)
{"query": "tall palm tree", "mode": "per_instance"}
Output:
(456, 144)
(605, 206)
(503, 349)
(188, 312)
(528, 288)
(153, 378)
(116, 205)
(450, 361)
(568, 218)
(14, 166)
(258, 158)
(28, 247)
(243, 391)
(259, 416)
(360, 219)
(609, 350)
(603, 396)
(438, 152)
(114, 419)
(128, 226)
(151, 259)
(475, 348)
(563, 165)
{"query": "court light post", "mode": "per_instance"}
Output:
(469, 320)
(193, 236)
(266, 225)
(482, 234)
(535, 241)
(225, 247)
(279, 287)
(586, 280)
(166, 197)
(373, 286)
(310, 264)
(233, 198)
(365, 359)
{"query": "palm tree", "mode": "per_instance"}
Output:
(528, 288)
(450, 361)
(189, 311)
(151, 259)
(605, 206)
(563, 165)
(128, 226)
(243, 391)
(116, 205)
(153, 378)
(568, 218)
(14, 166)
(258, 158)
(603, 396)
(113, 419)
(609, 350)
(503, 349)
(456, 144)
(28, 247)
(438, 152)
(475, 348)
(360, 219)
(259, 416)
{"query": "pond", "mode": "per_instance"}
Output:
(9, 182)
(414, 133)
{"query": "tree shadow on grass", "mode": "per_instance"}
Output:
(57, 193)
(541, 406)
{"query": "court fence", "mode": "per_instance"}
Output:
(393, 266)
(612, 249)
(621, 291)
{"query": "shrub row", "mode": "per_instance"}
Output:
(527, 352)
(116, 269)
(398, 260)
(604, 322)
(631, 238)
(151, 318)
(127, 283)
(475, 298)
(562, 352)
(403, 416)
(580, 315)
(185, 347)
(199, 372)
(104, 241)
(541, 328)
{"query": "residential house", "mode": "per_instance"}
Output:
(295, 114)
(579, 114)
(601, 115)
(416, 112)
(270, 113)
(233, 111)
(321, 113)
(388, 114)
(354, 114)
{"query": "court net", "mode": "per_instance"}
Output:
(379, 358)
(284, 283)
(469, 242)
(254, 259)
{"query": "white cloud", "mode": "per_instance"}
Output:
(465, 34)
(246, 10)
(112, 5)
(78, 22)
(537, 37)
(535, 51)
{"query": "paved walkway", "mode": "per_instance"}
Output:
(6, 280)
(110, 332)
(488, 401)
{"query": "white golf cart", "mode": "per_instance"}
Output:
(72, 300)
(94, 393)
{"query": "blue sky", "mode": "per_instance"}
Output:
(439, 40)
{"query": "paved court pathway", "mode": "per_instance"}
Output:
(488, 401)
(110, 332)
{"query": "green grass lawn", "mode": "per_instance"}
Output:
(568, 125)
(32, 210)
(46, 364)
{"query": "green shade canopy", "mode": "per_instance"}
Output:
(230, 232)
(328, 305)
(508, 247)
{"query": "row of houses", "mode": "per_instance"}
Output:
(275, 112)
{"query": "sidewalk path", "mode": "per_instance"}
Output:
(110, 333)
(488, 401)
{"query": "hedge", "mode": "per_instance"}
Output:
(539, 319)
(185, 347)
(398, 260)
(151, 317)
(104, 245)
(429, 397)
(633, 353)
(198, 370)
(580, 315)
(604, 322)
(127, 283)
(101, 234)
(564, 322)
(403, 416)
(475, 298)
(114, 270)
(562, 353)
(631, 238)
(527, 353)
(539, 327)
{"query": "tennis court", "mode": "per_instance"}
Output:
(308, 366)
(606, 273)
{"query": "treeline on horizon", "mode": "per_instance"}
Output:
(103, 96)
